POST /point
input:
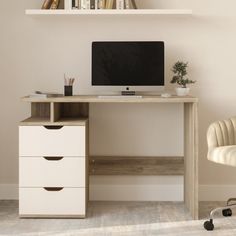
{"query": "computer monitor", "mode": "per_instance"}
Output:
(137, 66)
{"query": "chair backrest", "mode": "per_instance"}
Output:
(222, 133)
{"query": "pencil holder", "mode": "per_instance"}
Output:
(68, 90)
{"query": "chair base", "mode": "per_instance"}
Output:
(226, 212)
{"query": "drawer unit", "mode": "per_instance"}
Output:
(52, 171)
(54, 202)
(52, 141)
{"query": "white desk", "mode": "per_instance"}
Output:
(71, 111)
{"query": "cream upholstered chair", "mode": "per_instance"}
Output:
(221, 139)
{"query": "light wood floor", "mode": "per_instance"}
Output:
(113, 216)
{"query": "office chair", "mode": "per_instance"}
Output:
(221, 139)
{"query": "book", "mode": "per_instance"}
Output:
(68, 4)
(39, 94)
(77, 4)
(55, 4)
(46, 4)
(73, 4)
(102, 4)
(99, 4)
(87, 4)
(109, 4)
(92, 4)
(127, 4)
(120, 4)
(134, 5)
(83, 4)
(96, 4)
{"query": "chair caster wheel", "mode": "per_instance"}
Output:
(208, 225)
(227, 212)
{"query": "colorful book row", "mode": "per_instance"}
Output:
(99, 4)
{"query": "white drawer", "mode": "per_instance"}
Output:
(53, 171)
(41, 202)
(41, 141)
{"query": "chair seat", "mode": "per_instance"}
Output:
(225, 155)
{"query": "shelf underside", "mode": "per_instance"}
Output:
(111, 12)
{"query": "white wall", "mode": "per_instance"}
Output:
(36, 51)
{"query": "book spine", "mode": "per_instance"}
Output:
(92, 4)
(87, 4)
(134, 4)
(96, 4)
(83, 4)
(120, 4)
(77, 4)
(110, 4)
(46, 4)
(100, 4)
(68, 4)
(113, 4)
(55, 4)
(127, 4)
(107, 4)
(72, 4)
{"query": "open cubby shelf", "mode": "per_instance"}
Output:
(57, 113)
(41, 110)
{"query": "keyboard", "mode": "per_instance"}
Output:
(119, 97)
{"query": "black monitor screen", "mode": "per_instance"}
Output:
(128, 63)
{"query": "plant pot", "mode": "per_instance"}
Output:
(182, 91)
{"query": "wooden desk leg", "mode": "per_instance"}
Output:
(191, 158)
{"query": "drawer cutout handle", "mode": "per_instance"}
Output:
(53, 158)
(50, 189)
(53, 127)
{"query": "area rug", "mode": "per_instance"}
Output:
(223, 227)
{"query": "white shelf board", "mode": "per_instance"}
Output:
(111, 12)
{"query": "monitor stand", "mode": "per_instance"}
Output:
(128, 93)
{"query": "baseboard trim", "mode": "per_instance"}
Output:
(136, 188)
(140, 193)
(9, 192)
(136, 193)
(216, 192)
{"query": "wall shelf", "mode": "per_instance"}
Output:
(180, 12)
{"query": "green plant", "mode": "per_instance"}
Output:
(180, 72)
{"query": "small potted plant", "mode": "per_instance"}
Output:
(180, 72)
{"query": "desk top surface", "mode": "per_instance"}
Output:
(96, 99)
